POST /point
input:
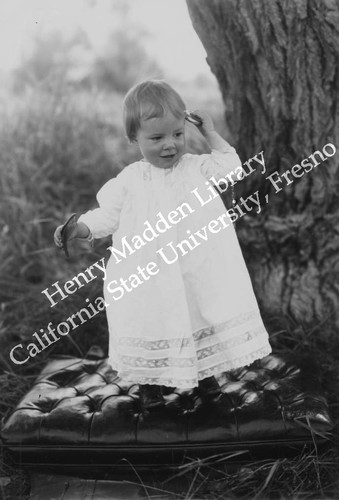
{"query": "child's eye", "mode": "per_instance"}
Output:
(155, 139)
(179, 134)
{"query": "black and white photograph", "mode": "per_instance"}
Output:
(169, 229)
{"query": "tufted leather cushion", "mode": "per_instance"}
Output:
(82, 405)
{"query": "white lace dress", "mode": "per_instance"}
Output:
(194, 314)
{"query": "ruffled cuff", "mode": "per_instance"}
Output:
(219, 163)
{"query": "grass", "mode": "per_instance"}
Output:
(50, 144)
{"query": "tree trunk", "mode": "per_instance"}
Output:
(276, 62)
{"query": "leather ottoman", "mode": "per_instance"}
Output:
(79, 412)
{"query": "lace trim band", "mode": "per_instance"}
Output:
(184, 383)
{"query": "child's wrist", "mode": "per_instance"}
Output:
(215, 141)
(209, 134)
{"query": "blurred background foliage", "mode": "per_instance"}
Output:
(57, 60)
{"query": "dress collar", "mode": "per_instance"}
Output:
(165, 170)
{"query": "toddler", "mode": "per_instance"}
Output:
(179, 300)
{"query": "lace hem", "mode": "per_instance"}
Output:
(230, 323)
(183, 353)
(186, 383)
(203, 333)
(236, 363)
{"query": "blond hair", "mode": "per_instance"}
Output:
(149, 99)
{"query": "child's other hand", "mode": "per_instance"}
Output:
(57, 237)
(207, 125)
(72, 229)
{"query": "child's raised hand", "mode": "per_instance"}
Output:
(207, 125)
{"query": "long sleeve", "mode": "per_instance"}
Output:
(220, 162)
(104, 220)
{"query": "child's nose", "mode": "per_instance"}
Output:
(169, 143)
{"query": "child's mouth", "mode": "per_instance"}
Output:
(168, 156)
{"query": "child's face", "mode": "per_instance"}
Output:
(162, 140)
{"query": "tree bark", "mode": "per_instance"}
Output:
(276, 62)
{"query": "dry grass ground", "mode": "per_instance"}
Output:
(56, 150)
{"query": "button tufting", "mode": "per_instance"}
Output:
(94, 406)
(271, 385)
(90, 369)
(45, 408)
(88, 404)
